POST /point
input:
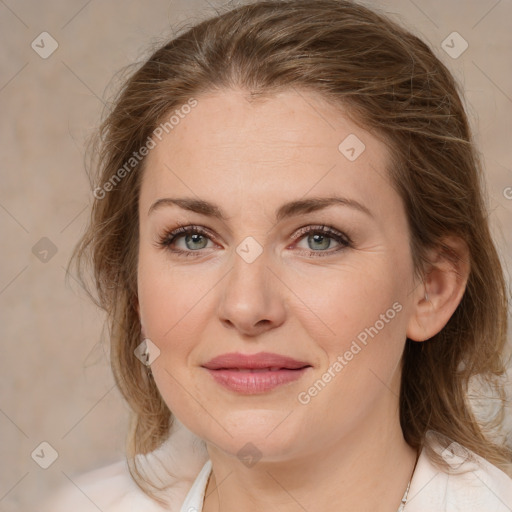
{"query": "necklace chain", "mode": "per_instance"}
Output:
(404, 498)
(406, 493)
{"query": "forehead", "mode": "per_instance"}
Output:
(291, 144)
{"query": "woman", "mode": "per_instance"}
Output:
(290, 239)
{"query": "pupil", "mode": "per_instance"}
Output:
(194, 238)
(322, 237)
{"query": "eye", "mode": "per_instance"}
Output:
(319, 238)
(195, 239)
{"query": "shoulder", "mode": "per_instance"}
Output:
(109, 489)
(112, 489)
(467, 483)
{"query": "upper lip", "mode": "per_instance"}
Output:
(256, 361)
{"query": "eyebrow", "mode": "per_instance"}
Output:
(293, 208)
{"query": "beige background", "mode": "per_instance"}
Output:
(56, 384)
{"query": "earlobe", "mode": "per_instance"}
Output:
(437, 298)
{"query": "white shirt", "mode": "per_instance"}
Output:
(475, 485)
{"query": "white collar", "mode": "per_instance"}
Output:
(195, 497)
(182, 463)
(472, 483)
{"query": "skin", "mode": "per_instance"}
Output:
(344, 450)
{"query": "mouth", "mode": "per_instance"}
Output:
(256, 373)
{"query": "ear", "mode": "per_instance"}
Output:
(441, 291)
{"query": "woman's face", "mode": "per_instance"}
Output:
(338, 302)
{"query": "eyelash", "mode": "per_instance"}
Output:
(169, 237)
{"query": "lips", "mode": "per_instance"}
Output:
(254, 373)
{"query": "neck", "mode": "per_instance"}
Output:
(368, 469)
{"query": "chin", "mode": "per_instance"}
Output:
(255, 434)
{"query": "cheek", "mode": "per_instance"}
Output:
(362, 353)
(368, 315)
(173, 301)
(173, 308)
(350, 302)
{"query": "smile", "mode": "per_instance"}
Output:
(255, 373)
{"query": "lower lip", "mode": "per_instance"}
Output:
(251, 383)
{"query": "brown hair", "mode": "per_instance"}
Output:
(391, 83)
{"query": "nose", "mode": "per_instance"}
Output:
(253, 298)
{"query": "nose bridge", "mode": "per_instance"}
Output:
(249, 278)
(250, 265)
(250, 296)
